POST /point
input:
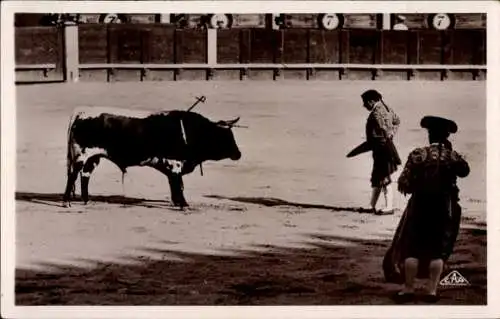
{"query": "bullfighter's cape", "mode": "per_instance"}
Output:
(361, 148)
(367, 147)
(381, 126)
(429, 170)
(393, 263)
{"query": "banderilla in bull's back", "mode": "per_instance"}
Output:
(201, 99)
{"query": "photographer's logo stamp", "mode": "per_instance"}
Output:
(454, 278)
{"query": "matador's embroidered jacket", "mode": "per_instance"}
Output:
(432, 169)
(382, 124)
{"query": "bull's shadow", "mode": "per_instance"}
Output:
(273, 202)
(56, 200)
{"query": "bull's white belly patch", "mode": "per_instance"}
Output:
(174, 165)
(96, 111)
(88, 152)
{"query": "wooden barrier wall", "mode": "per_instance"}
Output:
(351, 46)
(138, 44)
(354, 46)
(39, 45)
(146, 44)
(162, 44)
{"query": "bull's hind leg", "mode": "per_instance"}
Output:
(88, 168)
(70, 183)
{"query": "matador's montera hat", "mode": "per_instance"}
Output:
(436, 123)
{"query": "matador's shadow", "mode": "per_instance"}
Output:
(56, 200)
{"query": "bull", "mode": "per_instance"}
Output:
(172, 142)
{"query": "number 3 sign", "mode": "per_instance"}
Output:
(441, 21)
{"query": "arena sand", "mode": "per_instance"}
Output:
(281, 226)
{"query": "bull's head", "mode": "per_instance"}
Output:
(225, 144)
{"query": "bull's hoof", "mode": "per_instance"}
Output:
(66, 204)
(181, 205)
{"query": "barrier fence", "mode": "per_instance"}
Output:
(114, 52)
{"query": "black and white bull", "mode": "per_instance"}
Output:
(172, 142)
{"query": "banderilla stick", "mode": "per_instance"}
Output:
(201, 99)
(236, 125)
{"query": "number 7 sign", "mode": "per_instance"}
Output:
(441, 21)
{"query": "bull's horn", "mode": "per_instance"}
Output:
(232, 122)
(229, 123)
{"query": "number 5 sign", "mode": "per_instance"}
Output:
(441, 21)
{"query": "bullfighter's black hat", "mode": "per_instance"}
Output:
(371, 95)
(436, 123)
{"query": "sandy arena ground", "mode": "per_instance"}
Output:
(280, 226)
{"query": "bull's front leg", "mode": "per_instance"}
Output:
(177, 189)
(173, 171)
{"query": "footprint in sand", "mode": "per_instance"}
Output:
(289, 224)
(139, 229)
(363, 221)
(349, 226)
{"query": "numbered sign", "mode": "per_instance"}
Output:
(180, 20)
(278, 21)
(220, 21)
(441, 21)
(111, 18)
(330, 21)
